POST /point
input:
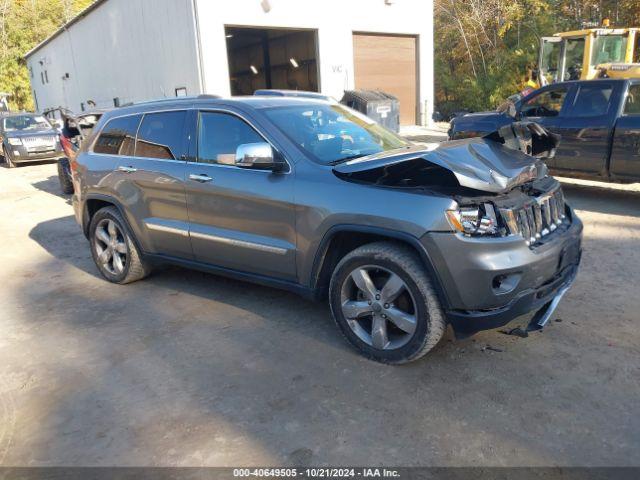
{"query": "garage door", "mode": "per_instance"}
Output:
(388, 63)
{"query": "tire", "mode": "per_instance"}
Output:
(64, 175)
(7, 158)
(134, 267)
(384, 261)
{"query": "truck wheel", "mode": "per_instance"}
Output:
(114, 251)
(383, 301)
(64, 175)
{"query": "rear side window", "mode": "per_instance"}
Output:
(220, 134)
(632, 105)
(118, 137)
(591, 101)
(161, 135)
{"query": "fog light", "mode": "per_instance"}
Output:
(505, 283)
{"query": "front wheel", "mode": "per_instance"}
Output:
(383, 301)
(114, 251)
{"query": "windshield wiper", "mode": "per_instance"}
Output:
(346, 159)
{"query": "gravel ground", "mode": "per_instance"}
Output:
(186, 368)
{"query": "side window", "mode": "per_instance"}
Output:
(118, 136)
(591, 101)
(574, 58)
(161, 135)
(632, 105)
(546, 104)
(220, 134)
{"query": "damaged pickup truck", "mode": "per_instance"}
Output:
(313, 197)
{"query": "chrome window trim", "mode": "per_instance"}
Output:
(142, 114)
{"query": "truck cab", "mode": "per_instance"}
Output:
(598, 122)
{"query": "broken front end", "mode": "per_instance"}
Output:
(516, 244)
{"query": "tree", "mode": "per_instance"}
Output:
(484, 48)
(24, 24)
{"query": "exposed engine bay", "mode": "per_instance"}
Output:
(499, 181)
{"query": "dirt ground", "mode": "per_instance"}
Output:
(186, 368)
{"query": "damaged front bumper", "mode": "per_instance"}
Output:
(488, 282)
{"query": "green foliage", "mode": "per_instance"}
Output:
(24, 24)
(485, 48)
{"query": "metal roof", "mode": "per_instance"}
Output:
(64, 27)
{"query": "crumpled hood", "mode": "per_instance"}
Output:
(477, 163)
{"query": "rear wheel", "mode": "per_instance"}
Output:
(64, 175)
(114, 251)
(384, 303)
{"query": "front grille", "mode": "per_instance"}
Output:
(538, 217)
(39, 139)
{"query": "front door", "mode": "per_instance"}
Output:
(240, 218)
(547, 107)
(587, 127)
(625, 153)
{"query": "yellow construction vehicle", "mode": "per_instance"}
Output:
(590, 53)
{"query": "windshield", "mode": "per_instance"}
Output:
(25, 122)
(333, 133)
(609, 49)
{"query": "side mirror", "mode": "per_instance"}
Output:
(258, 155)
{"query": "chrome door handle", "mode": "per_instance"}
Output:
(127, 169)
(200, 178)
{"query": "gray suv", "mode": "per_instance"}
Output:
(313, 197)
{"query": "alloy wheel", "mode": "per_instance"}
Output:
(111, 248)
(379, 307)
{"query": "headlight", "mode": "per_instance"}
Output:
(14, 141)
(480, 220)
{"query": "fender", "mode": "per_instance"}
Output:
(323, 247)
(115, 203)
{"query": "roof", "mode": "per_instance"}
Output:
(77, 18)
(599, 31)
(258, 101)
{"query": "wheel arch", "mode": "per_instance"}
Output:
(96, 201)
(339, 240)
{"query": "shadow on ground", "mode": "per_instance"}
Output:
(187, 368)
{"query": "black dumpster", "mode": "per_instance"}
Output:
(379, 106)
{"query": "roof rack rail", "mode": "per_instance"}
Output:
(172, 99)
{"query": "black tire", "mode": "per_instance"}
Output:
(6, 157)
(405, 263)
(135, 266)
(64, 175)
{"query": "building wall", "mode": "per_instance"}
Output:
(335, 20)
(130, 49)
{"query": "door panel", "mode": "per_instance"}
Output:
(586, 129)
(242, 219)
(150, 184)
(388, 63)
(154, 195)
(625, 155)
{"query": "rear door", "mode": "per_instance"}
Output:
(240, 218)
(625, 153)
(587, 127)
(151, 184)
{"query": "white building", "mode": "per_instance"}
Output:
(120, 51)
